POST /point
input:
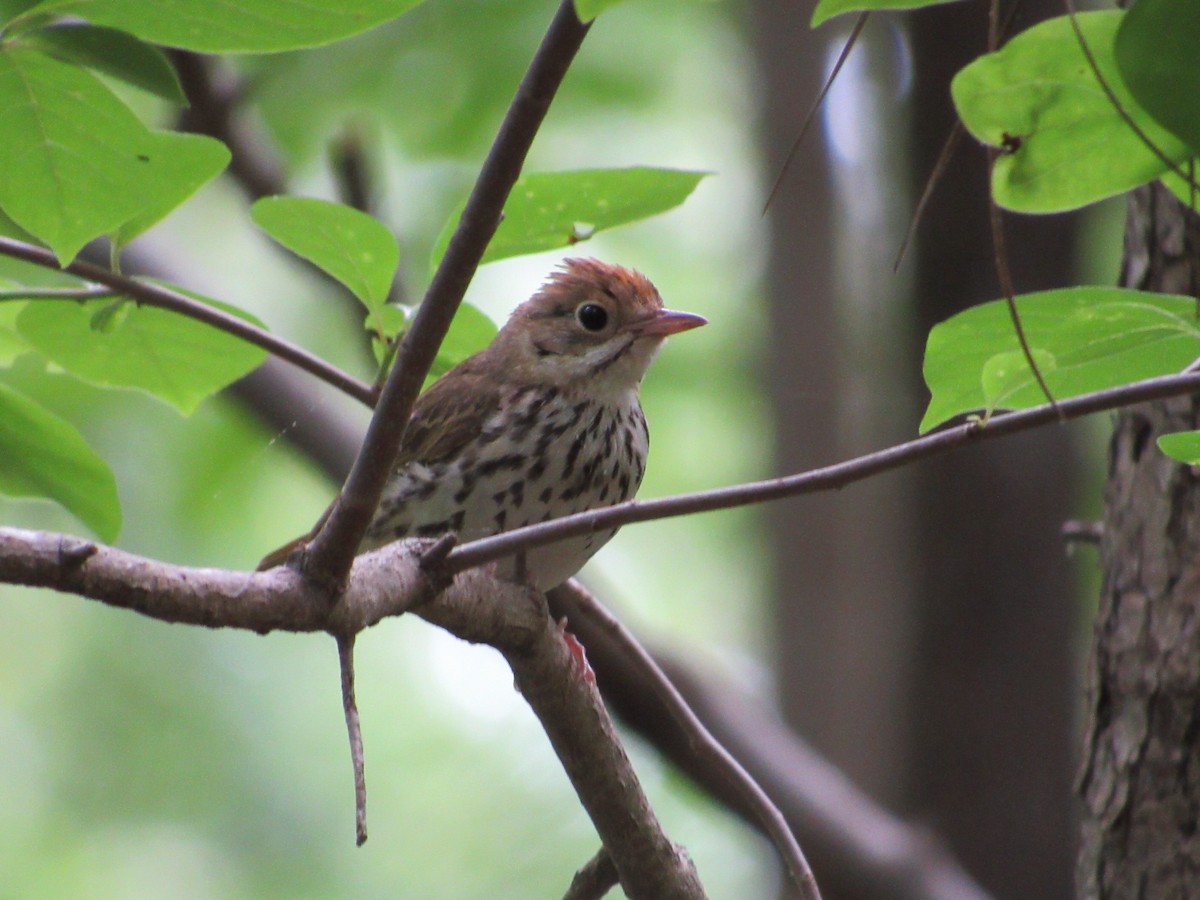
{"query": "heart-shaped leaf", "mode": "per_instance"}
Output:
(1063, 142)
(175, 358)
(232, 26)
(549, 210)
(1084, 339)
(349, 245)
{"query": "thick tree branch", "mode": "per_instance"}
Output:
(381, 584)
(474, 607)
(165, 298)
(711, 754)
(827, 478)
(332, 551)
(556, 683)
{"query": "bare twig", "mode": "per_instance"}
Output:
(597, 877)
(947, 153)
(332, 550)
(811, 117)
(1004, 274)
(768, 816)
(165, 298)
(345, 645)
(999, 251)
(954, 138)
(814, 480)
(81, 294)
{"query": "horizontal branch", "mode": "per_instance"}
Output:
(474, 607)
(165, 298)
(384, 583)
(815, 480)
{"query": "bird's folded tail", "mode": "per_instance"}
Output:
(279, 556)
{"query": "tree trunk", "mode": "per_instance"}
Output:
(1140, 781)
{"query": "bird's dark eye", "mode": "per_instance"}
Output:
(592, 316)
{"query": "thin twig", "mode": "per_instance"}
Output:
(957, 131)
(80, 295)
(943, 161)
(1004, 275)
(331, 552)
(830, 477)
(345, 645)
(596, 878)
(999, 251)
(707, 747)
(812, 111)
(165, 298)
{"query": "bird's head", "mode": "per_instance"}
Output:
(592, 324)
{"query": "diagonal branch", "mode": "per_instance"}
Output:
(858, 847)
(331, 552)
(165, 298)
(705, 747)
(823, 479)
(556, 684)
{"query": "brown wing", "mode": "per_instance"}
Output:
(445, 418)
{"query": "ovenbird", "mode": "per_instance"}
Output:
(542, 423)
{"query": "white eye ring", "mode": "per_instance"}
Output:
(591, 316)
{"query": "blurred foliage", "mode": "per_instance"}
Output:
(140, 759)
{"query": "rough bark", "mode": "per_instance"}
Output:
(1140, 781)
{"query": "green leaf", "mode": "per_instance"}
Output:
(1088, 338)
(1156, 50)
(181, 164)
(74, 161)
(41, 455)
(1182, 445)
(1064, 144)
(827, 9)
(112, 52)
(549, 210)
(175, 358)
(1006, 373)
(10, 229)
(349, 245)
(469, 333)
(587, 10)
(1187, 195)
(12, 344)
(233, 26)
